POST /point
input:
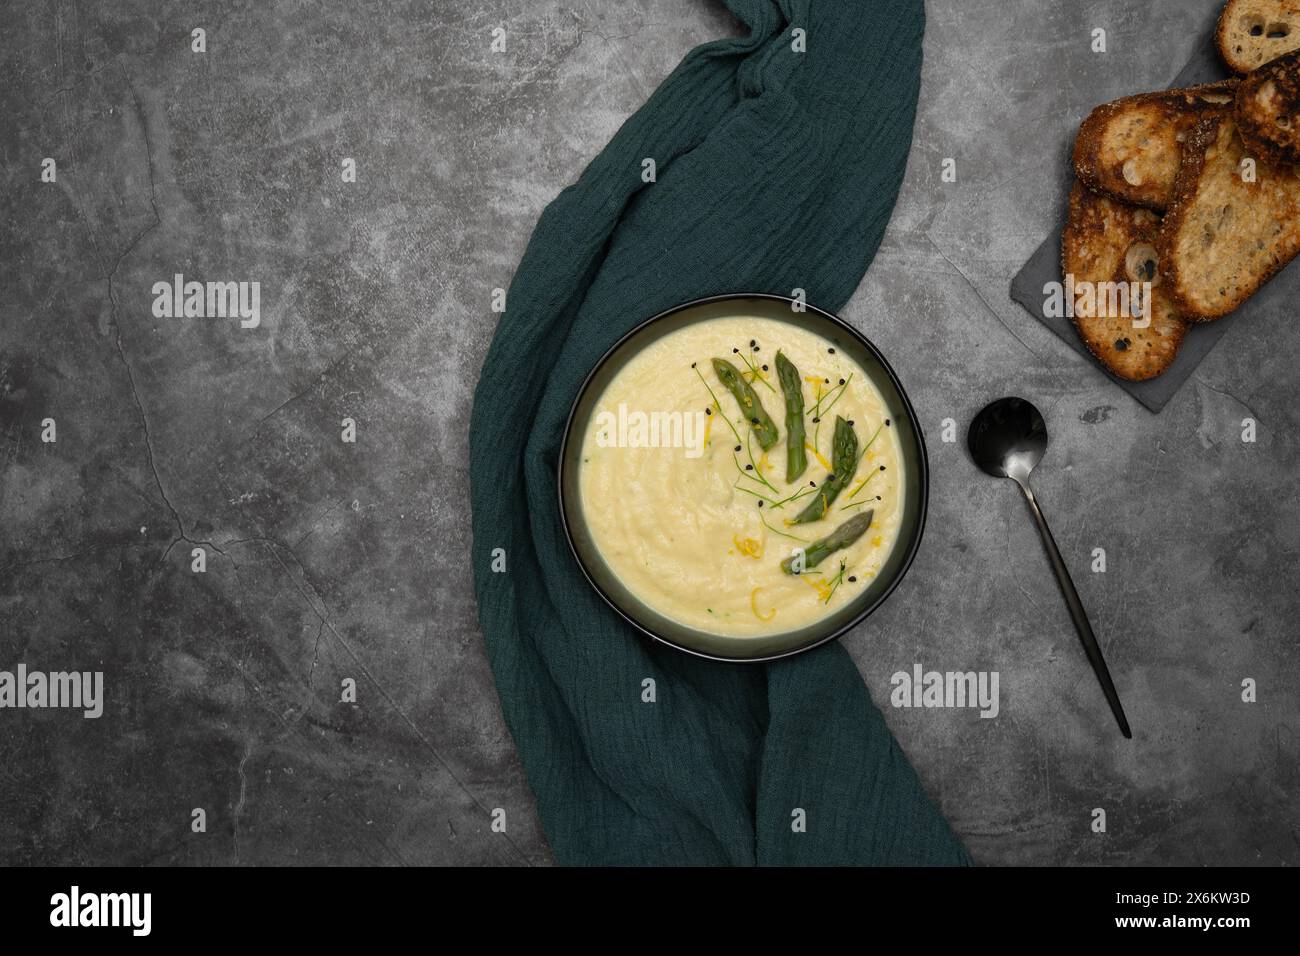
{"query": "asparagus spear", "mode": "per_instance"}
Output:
(844, 459)
(750, 406)
(796, 459)
(840, 538)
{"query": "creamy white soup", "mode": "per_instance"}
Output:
(694, 501)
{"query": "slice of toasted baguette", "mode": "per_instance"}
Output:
(1253, 32)
(1268, 110)
(1106, 241)
(1130, 149)
(1225, 236)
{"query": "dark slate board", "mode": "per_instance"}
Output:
(1045, 266)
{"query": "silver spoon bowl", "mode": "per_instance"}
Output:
(1007, 439)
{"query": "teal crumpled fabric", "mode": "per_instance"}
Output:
(776, 170)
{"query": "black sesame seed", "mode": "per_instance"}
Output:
(886, 422)
(753, 421)
(760, 504)
(693, 364)
(841, 381)
(852, 579)
(828, 381)
(737, 448)
(813, 483)
(708, 409)
(832, 351)
(752, 343)
(755, 348)
(735, 351)
(882, 467)
(749, 467)
(816, 420)
(830, 477)
(877, 497)
(850, 423)
(764, 368)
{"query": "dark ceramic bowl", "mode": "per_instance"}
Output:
(705, 643)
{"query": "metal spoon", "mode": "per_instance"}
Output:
(1007, 439)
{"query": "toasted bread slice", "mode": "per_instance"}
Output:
(1225, 235)
(1253, 32)
(1130, 149)
(1268, 110)
(1106, 241)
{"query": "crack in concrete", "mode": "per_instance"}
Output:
(980, 295)
(117, 323)
(1227, 394)
(44, 104)
(274, 545)
(243, 792)
(293, 398)
(311, 673)
(289, 727)
(110, 277)
(58, 558)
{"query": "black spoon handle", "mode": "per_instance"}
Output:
(1077, 613)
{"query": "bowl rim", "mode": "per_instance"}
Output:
(923, 460)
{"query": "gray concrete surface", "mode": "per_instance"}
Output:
(329, 560)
